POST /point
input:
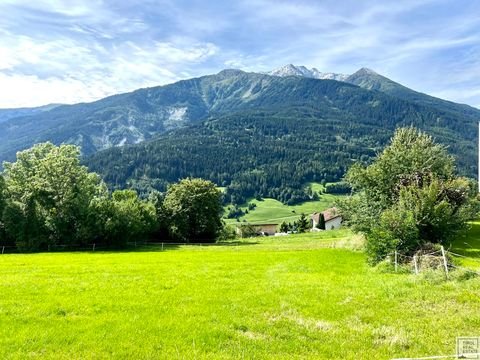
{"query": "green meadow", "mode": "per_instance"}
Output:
(275, 212)
(468, 246)
(296, 297)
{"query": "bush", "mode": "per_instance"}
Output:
(379, 244)
(408, 197)
(227, 233)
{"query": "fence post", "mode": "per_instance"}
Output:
(396, 260)
(162, 246)
(445, 261)
(3, 249)
(93, 247)
(415, 263)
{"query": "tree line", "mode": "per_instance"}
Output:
(48, 198)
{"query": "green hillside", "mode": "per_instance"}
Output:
(369, 79)
(271, 211)
(293, 298)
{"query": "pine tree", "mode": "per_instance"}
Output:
(284, 227)
(321, 222)
(302, 223)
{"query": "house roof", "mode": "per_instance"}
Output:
(328, 214)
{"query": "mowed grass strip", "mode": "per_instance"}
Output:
(272, 298)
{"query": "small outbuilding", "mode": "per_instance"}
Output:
(256, 229)
(332, 217)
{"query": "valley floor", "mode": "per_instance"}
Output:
(302, 296)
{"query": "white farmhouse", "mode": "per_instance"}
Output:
(333, 219)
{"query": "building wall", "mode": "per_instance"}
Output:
(335, 223)
(269, 229)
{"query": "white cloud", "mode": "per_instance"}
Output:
(28, 90)
(120, 46)
(74, 71)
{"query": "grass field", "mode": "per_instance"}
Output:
(272, 211)
(469, 246)
(269, 298)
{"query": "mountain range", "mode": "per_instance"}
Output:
(292, 70)
(256, 134)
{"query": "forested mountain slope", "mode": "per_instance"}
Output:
(370, 80)
(140, 115)
(254, 133)
(290, 131)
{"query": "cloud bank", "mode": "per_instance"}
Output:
(54, 51)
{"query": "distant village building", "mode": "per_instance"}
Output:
(333, 219)
(256, 229)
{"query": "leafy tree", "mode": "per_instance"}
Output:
(410, 152)
(156, 198)
(49, 192)
(248, 231)
(340, 187)
(234, 212)
(2, 208)
(408, 197)
(24, 227)
(195, 208)
(123, 217)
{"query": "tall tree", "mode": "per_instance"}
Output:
(2, 208)
(302, 223)
(408, 196)
(195, 208)
(50, 193)
(123, 217)
(321, 222)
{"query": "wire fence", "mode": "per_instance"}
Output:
(416, 262)
(438, 259)
(9, 249)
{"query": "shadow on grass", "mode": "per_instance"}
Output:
(469, 244)
(137, 247)
(166, 246)
(158, 247)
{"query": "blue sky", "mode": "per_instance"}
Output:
(54, 51)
